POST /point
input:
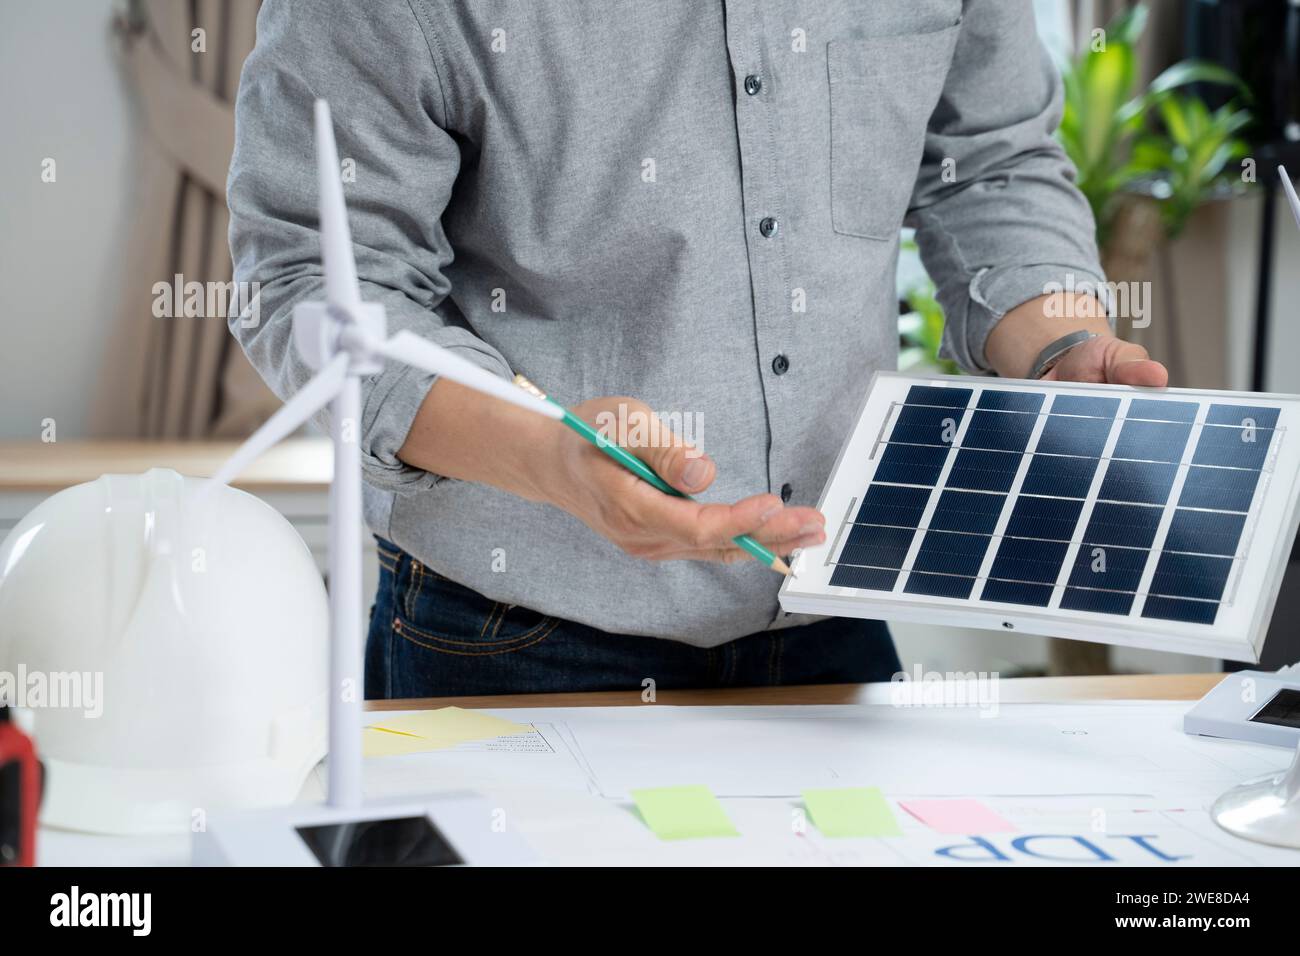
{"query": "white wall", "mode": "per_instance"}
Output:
(60, 97)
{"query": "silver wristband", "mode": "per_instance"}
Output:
(1054, 352)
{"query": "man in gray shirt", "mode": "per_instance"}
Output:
(689, 209)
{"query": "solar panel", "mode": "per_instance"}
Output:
(1129, 516)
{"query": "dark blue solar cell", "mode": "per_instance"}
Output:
(1205, 532)
(999, 431)
(1152, 441)
(1099, 602)
(1065, 477)
(1019, 559)
(1173, 609)
(877, 547)
(970, 511)
(868, 579)
(944, 397)
(1085, 405)
(939, 585)
(911, 464)
(1162, 411)
(1190, 575)
(1051, 518)
(1017, 592)
(984, 470)
(1223, 489)
(1141, 481)
(924, 425)
(1131, 526)
(1242, 415)
(893, 504)
(1010, 401)
(1066, 435)
(1233, 447)
(949, 552)
(1108, 566)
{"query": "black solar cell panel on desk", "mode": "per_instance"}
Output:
(1049, 518)
(1109, 567)
(1019, 559)
(1152, 441)
(911, 464)
(1242, 416)
(1129, 526)
(868, 579)
(877, 547)
(1085, 405)
(937, 395)
(1221, 489)
(1009, 401)
(1088, 505)
(1145, 482)
(1233, 447)
(1061, 476)
(984, 470)
(1205, 532)
(1162, 411)
(949, 552)
(999, 431)
(925, 425)
(970, 511)
(1069, 435)
(893, 505)
(1191, 576)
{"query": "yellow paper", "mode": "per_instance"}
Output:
(426, 730)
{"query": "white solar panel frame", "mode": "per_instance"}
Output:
(1249, 594)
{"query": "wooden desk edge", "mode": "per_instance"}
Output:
(1017, 690)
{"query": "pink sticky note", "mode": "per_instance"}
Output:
(967, 817)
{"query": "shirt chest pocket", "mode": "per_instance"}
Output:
(883, 90)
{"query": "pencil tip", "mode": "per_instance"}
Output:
(780, 566)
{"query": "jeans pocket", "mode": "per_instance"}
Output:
(883, 91)
(438, 614)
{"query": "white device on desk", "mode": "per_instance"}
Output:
(1261, 707)
(344, 339)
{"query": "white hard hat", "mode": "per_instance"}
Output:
(204, 621)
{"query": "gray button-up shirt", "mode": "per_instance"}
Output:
(694, 203)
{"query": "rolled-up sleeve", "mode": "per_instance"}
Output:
(377, 68)
(998, 217)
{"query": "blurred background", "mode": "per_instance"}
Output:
(119, 124)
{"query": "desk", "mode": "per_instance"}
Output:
(1014, 690)
(550, 813)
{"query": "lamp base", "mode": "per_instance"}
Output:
(1266, 810)
(450, 829)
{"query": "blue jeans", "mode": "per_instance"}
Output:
(432, 637)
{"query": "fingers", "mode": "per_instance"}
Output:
(643, 433)
(1129, 364)
(1108, 359)
(674, 528)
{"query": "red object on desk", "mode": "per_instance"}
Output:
(20, 794)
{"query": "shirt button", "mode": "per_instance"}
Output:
(753, 84)
(780, 365)
(787, 490)
(768, 227)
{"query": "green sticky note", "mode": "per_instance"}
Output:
(851, 812)
(683, 813)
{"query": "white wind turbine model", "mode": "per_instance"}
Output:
(343, 339)
(1267, 809)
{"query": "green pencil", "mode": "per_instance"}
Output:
(646, 473)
